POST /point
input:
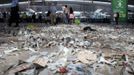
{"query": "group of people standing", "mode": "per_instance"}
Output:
(68, 14)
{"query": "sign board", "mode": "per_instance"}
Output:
(120, 6)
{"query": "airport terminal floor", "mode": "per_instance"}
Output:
(68, 37)
(67, 49)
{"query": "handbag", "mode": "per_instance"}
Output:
(71, 16)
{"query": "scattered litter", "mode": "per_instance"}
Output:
(65, 49)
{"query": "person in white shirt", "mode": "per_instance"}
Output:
(66, 13)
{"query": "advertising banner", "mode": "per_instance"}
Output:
(120, 6)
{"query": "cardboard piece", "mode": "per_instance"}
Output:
(40, 61)
(86, 56)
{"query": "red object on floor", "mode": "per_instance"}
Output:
(62, 70)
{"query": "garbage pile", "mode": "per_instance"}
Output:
(70, 50)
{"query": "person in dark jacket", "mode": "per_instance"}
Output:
(48, 19)
(116, 17)
(14, 16)
(4, 16)
(40, 18)
(34, 18)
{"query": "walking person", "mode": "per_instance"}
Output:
(24, 17)
(4, 16)
(14, 13)
(1, 17)
(48, 19)
(53, 14)
(33, 17)
(66, 14)
(40, 18)
(71, 15)
(116, 18)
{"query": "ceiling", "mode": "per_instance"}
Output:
(8, 1)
